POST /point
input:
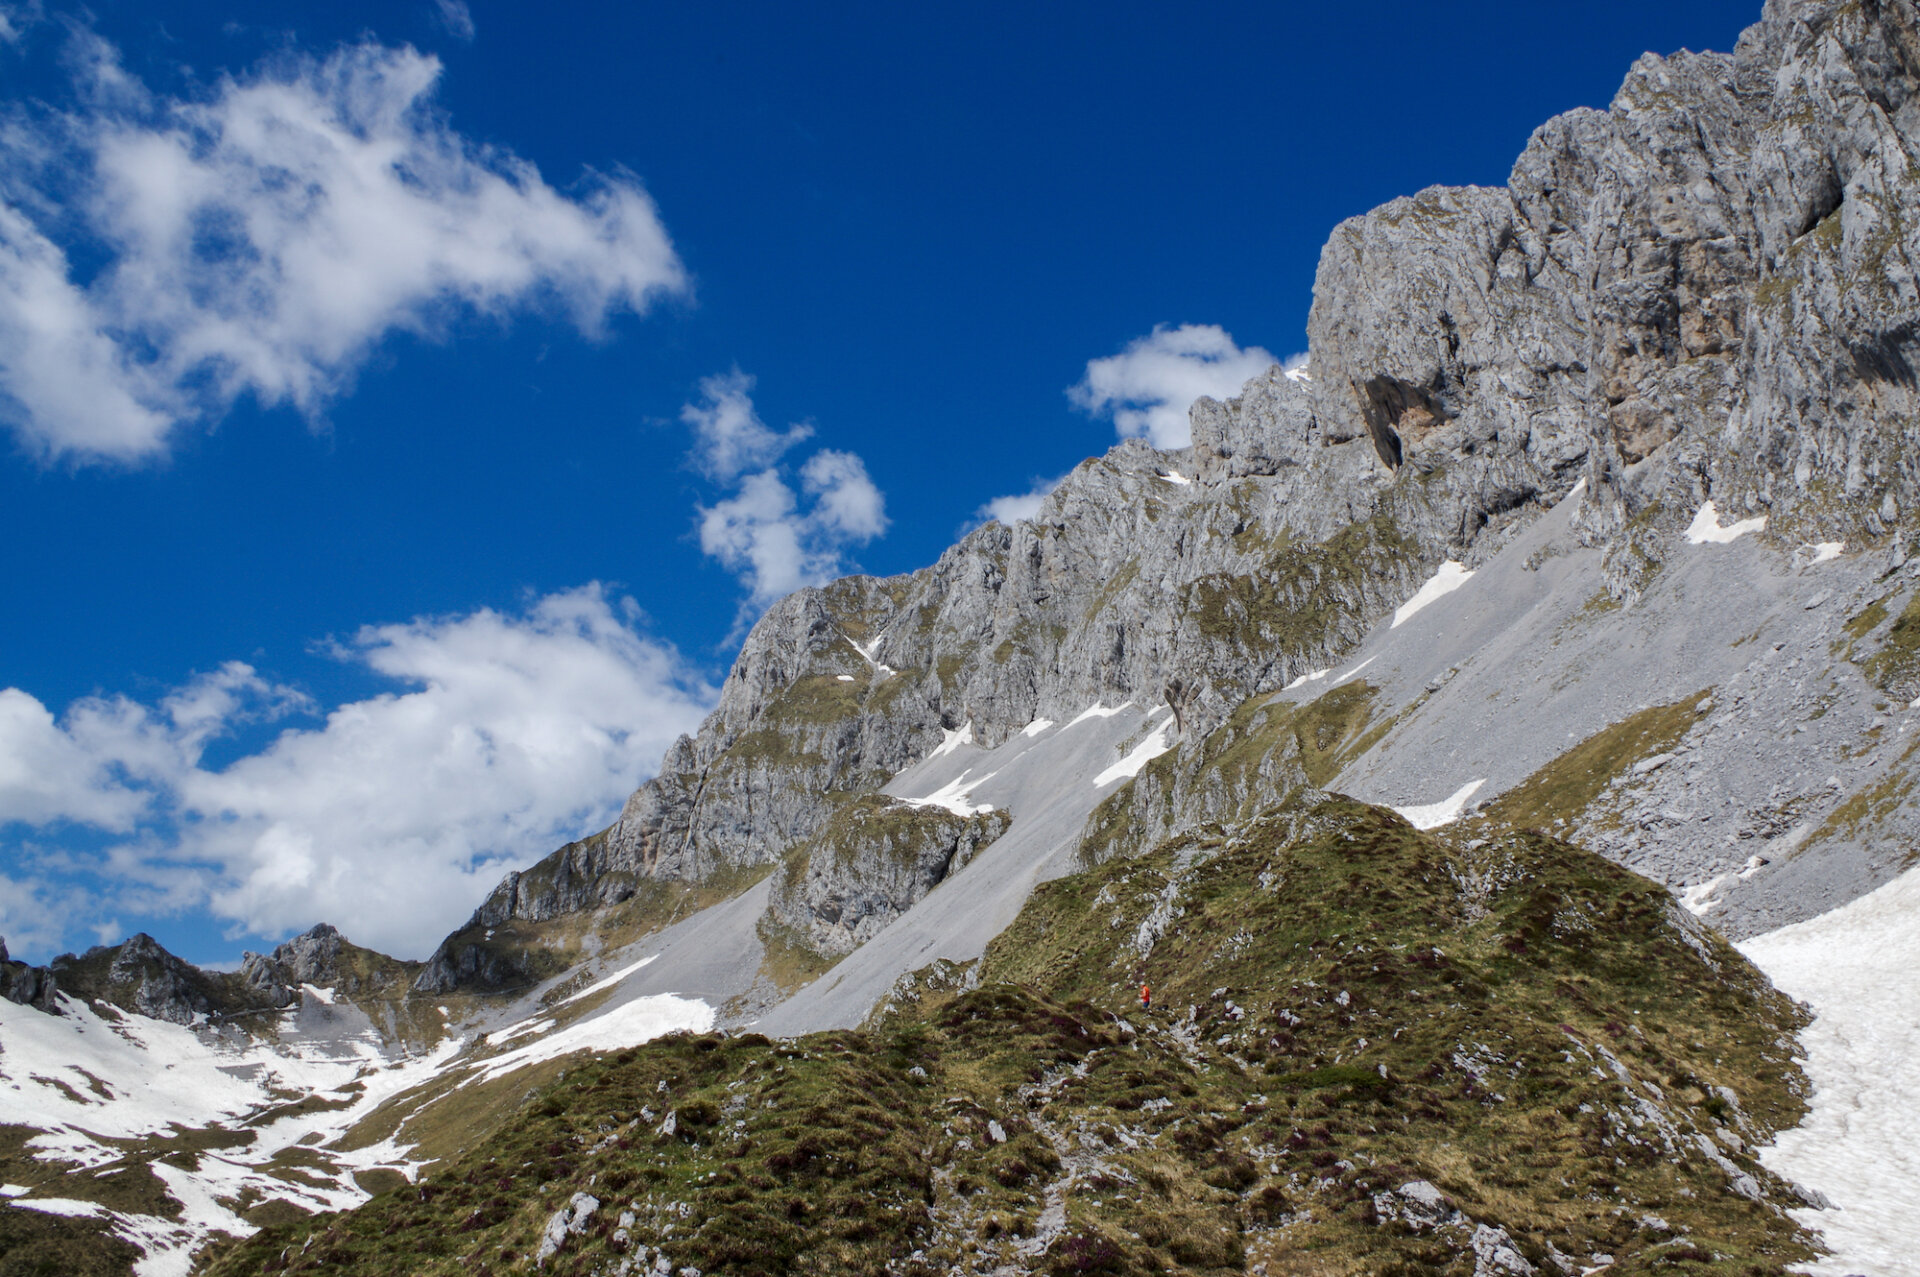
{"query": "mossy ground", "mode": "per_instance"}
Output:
(1344, 1005)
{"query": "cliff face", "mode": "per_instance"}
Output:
(1715, 277)
(1704, 292)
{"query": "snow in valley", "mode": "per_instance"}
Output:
(93, 1077)
(1860, 1144)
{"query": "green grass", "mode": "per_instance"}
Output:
(1564, 788)
(1343, 1005)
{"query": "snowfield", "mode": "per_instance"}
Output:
(93, 1076)
(1860, 1143)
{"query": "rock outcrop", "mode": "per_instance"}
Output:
(29, 986)
(140, 976)
(1705, 291)
(874, 861)
(324, 958)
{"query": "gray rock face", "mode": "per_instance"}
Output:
(322, 957)
(141, 976)
(1715, 277)
(875, 860)
(29, 986)
(1705, 291)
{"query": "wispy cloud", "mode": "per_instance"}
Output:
(1148, 387)
(261, 238)
(456, 18)
(508, 734)
(774, 538)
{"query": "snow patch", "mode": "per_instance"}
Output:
(1449, 578)
(1037, 726)
(1304, 679)
(1698, 898)
(866, 653)
(501, 1037)
(1101, 711)
(1706, 527)
(62, 1206)
(628, 1024)
(953, 741)
(1362, 665)
(607, 982)
(1174, 476)
(1444, 812)
(1825, 551)
(162, 1076)
(844, 678)
(1155, 744)
(1860, 1141)
(953, 795)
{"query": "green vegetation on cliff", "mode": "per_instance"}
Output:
(1371, 1050)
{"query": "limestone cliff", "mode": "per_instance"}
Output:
(1706, 291)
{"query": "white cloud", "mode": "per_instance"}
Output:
(762, 533)
(1149, 386)
(456, 18)
(1021, 506)
(393, 817)
(263, 238)
(729, 438)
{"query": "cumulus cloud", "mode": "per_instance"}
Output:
(510, 734)
(1020, 506)
(260, 239)
(729, 438)
(1148, 387)
(774, 538)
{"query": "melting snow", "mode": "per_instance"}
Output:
(953, 795)
(1706, 527)
(1699, 898)
(1445, 812)
(1037, 726)
(1827, 550)
(1314, 677)
(606, 982)
(1860, 1142)
(1362, 665)
(1098, 711)
(953, 741)
(1449, 578)
(884, 671)
(1155, 744)
(1174, 476)
(628, 1024)
(501, 1037)
(160, 1075)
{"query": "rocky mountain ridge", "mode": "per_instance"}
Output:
(1646, 411)
(1704, 292)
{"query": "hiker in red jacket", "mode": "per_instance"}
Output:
(1146, 998)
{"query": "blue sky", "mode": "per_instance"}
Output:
(405, 405)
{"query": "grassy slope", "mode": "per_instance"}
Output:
(1345, 1006)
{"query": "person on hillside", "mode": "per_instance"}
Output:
(1146, 998)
